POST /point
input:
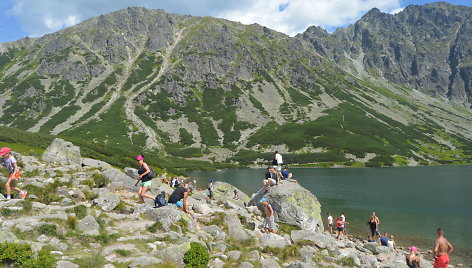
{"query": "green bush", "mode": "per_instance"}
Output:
(48, 229)
(80, 211)
(156, 226)
(94, 261)
(347, 261)
(21, 255)
(27, 205)
(71, 222)
(197, 256)
(123, 252)
(99, 180)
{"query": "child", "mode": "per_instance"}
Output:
(14, 172)
(236, 195)
(269, 217)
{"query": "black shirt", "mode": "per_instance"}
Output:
(177, 195)
(141, 170)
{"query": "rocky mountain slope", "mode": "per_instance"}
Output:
(85, 216)
(426, 47)
(212, 89)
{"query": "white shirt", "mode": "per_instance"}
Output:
(330, 219)
(278, 157)
(343, 219)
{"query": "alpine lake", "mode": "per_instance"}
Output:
(411, 202)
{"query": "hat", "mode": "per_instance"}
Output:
(263, 200)
(4, 150)
(212, 180)
(413, 249)
(139, 157)
(179, 204)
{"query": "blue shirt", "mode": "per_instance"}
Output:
(384, 241)
(284, 174)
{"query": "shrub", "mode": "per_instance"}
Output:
(123, 252)
(80, 211)
(197, 256)
(27, 205)
(21, 255)
(99, 180)
(156, 226)
(49, 229)
(72, 222)
(348, 261)
(93, 261)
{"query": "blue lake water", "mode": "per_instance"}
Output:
(411, 202)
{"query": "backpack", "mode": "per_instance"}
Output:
(160, 200)
(151, 173)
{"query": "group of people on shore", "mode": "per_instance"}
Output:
(273, 177)
(441, 251)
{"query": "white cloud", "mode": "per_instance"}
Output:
(396, 10)
(288, 16)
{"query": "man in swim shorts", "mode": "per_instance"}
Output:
(442, 249)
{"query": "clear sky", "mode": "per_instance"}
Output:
(20, 18)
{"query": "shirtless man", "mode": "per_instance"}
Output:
(269, 225)
(442, 249)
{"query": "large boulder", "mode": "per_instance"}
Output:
(293, 204)
(7, 236)
(107, 200)
(174, 254)
(89, 225)
(274, 241)
(64, 152)
(166, 215)
(224, 191)
(235, 228)
(116, 176)
(320, 240)
(92, 163)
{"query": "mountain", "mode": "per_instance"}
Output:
(216, 90)
(428, 48)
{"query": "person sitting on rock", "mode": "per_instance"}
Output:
(391, 242)
(269, 223)
(236, 195)
(181, 193)
(383, 241)
(9, 161)
(412, 259)
(145, 180)
(270, 179)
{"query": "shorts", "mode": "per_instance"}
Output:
(268, 223)
(330, 225)
(146, 183)
(15, 176)
(340, 229)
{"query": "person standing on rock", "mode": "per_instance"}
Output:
(374, 224)
(145, 178)
(278, 160)
(9, 161)
(442, 249)
(211, 189)
(330, 223)
(340, 225)
(269, 223)
(181, 193)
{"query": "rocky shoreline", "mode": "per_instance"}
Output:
(82, 211)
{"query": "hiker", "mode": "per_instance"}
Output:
(383, 240)
(412, 259)
(190, 185)
(330, 223)
(176, 182)
(340, 225)
(269, 224)
(210, 188)
(181, 193)
(391, 242)
(236, 195)
(289, 178)
(442, 249)
(269, 179)
(284, 175)
(343, 219)
(9, 162)
(373, 223)
(278, 160)
(145, 176)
